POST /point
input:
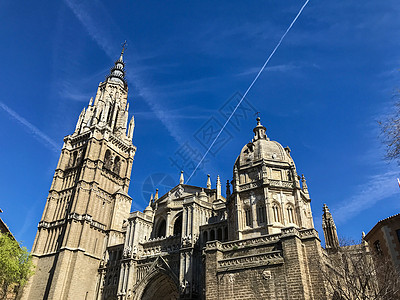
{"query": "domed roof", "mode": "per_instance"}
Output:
(262, 148)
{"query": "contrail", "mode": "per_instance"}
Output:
(250, 86)
(41, 136)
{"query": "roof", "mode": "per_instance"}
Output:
(4, 228)
(381, 223)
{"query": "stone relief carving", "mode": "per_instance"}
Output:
(267, 274)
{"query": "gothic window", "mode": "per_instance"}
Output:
(72, 159)
(219, 234)
(290, 214)
(205, 236)
(247, 213)
(161, 229)
(178, 225)
(108, 160)
(117, 165)
(261, 218)
(212, 235)
(275, 210)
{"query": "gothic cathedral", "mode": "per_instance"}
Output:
(258, 242)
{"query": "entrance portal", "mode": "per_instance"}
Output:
(161, 286)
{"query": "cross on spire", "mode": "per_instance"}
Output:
(124, 46)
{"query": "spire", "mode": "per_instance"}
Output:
(259, 131)
(149, 209)
(208, 181)
(181, 179)
(304, 184)
(228, 189)
(156, 195)
(329, 227)
(218, 188)
(117, 72)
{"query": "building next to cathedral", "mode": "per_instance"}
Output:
(258, 242)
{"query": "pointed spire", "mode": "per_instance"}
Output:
(218, 188)
(149, 207)
(117, 72)
(91, 101)
(131, 128)
(228, 189)
(181, 179)
(259, 131)
(329, 228)
(304, 184)
(208, 181)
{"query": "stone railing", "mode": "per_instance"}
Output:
(263, 240)
(280, 183)
(267, 239)
(271, 182)
(242, 262)
(161, 245)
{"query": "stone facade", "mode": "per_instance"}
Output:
(258, 242)
(384, 239)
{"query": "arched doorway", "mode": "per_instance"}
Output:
(161, 286)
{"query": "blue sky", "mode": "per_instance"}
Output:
(331, 80)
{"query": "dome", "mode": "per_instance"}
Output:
(262, 148)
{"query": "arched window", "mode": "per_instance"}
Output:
(247, 213)
(290, 214)
(72, 159)
(219, 234)
(161, 228)
(275, 210)
(178, 225)
(212, 235)
(108, 160)
(117, 165)
(261, 218)
(226, 233)
(205, 237)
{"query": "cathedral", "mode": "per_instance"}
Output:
(258, 242)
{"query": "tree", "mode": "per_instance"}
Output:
(354, 273)
(15, 265)
(390, 132)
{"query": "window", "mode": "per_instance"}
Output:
(261, 214)
(290, 214)
(161, 229)
(275, 210)
(117, 165)
(378, 248)
(248, 216)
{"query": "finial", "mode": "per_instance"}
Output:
(228, 188)
(156, 195)
(325, 208)
(91, 101)
(124, 46)
(208, 181)
(181, 179)
(259, 130)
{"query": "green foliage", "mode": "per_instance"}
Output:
(15, 263)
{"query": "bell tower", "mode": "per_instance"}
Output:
(88, 201)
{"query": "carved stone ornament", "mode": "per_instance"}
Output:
(231, 278)
(266, 274)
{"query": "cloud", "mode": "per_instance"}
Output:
(100, 29)
(37, 133)
(377, 188)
